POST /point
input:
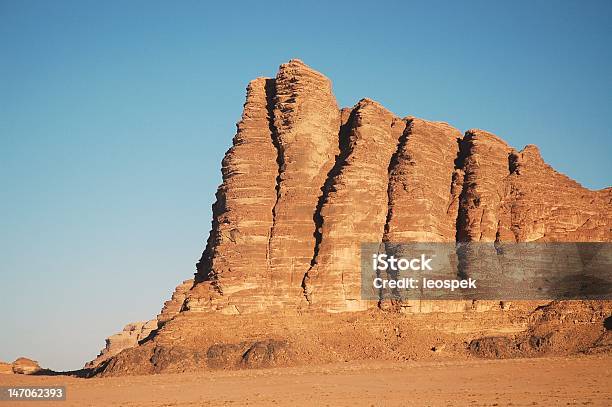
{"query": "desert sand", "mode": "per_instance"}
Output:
(572, 381)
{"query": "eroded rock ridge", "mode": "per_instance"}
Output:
(305, 183)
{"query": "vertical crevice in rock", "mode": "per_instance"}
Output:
(419, 206)
(344, 151)
(514, 163)
(461, 223)
(393, 164)
(270, 94)
(343, 147)
(485, 163)
(459, 185)
(353, 210)
(391, 175)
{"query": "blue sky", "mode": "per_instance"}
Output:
(114, 118)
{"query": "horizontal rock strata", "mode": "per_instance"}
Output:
(235, 262)
(129, 337)
(135, 332)
(174, 305)
(354, 207)
(306, 126)
(305, 184)
(199, 341)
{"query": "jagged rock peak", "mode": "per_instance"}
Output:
(532, 154)
(439, 124)
(483, 135)
(297, 67)
(368, 110)
(367, 102)
(299, 77)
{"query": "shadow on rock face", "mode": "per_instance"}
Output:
(176, 358)
(265, 353)
(258, 354)
(558, 328)
(580, 286)
(492, 347)
(608, 323)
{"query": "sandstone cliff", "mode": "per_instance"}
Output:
(305, 183)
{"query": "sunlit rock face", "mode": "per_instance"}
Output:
(305, 183)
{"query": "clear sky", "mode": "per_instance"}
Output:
(114, 118)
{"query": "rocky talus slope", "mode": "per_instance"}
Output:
(136, 332)
(129, 337)
(305, 183)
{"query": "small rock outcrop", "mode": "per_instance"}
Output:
(25, 366)
(135, 332)
(129, 337)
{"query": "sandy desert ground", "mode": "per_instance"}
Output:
(574, 381)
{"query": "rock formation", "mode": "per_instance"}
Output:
(305, 183)
(135, 332)
(129, 337)
(261, 243)
(25, 366)
(353, 207)
(422, 203)
(236, 256)
(174, 305)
